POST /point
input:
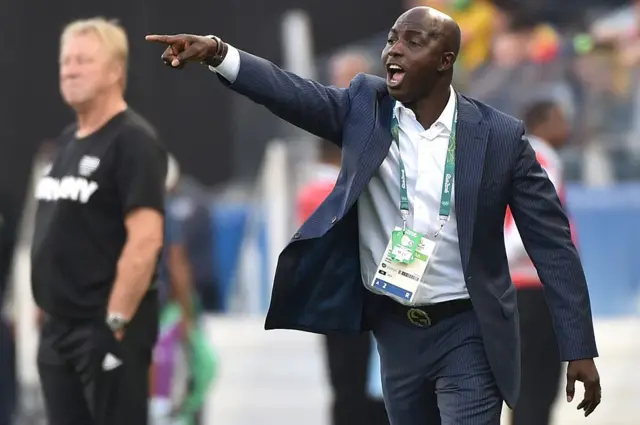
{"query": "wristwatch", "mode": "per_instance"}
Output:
(116, 322)
(220, 53)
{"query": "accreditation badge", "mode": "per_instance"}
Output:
(403, 264)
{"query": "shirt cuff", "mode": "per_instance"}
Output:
(230, 66)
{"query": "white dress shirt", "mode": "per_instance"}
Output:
(423, 154)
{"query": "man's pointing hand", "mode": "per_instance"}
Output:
(183, 48)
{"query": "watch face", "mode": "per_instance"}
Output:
(116, 323)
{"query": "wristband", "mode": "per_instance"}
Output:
(219, 55)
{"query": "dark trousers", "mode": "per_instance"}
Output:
(7, 374)
(90, 378)
(438, 375)
(541, 365)
(348, 361)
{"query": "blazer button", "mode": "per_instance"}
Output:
(296, 235)
(333, 220)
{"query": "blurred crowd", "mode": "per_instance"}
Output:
(583, 55)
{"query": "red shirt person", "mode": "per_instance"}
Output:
(541, 364)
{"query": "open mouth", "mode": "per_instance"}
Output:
(395, 75)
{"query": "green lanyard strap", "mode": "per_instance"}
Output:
(447, 179)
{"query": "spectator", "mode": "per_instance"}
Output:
(180, 327)
(321, 184)
(605, 107)
(501, 82)
(174, 274)
(188, 207)
(548, 130)
(345, 65)
(512, 79)
(622, 29)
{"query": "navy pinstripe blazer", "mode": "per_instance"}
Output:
(318, 287)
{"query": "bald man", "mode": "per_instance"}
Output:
(410, 241)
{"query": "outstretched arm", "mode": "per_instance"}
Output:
(316, 108)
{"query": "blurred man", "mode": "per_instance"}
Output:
(548, 130)
(182, 345)
(509, 63)
(346, 65)
(348, 356)
(175, 272)
(189, 207)
(520, 70)
(98, 235)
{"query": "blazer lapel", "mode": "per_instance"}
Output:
(375, 149)
(471, 145)
(380, 141)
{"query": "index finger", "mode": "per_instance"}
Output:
(163, 39)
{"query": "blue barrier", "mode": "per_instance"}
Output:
(265, 284)
(607, 221)
(229, 222)
(608, 228)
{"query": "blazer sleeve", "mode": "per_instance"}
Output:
(512, 240)
(545, 232)
(307, 104)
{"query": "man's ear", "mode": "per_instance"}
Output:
(447, 61)
(116, 72)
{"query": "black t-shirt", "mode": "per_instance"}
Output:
(83, 198)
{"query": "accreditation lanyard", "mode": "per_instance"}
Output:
(447, 179)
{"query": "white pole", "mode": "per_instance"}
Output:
(279, 178)
(297, 43)
(24, 308)
(298, 55)
(277, 201)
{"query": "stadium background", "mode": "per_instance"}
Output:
(248, 166)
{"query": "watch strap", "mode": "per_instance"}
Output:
(116, 322)
(220, 53)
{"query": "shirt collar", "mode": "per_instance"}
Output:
(445, 118)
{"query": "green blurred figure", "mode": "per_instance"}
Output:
(184, 363)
